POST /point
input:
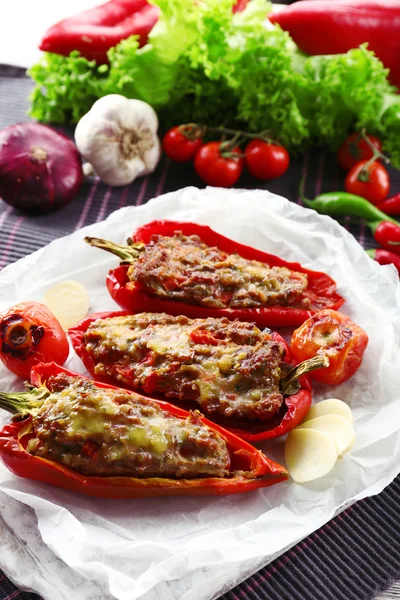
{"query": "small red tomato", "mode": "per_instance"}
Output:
(356, 148)
(332, 333)
(371, 181)
(217, 166)
(30, 334)
(266, 161)
(180, 147)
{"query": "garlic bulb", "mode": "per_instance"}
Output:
(118, 137)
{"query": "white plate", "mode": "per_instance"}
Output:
(197, 548)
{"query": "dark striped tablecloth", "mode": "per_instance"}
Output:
(354, 556)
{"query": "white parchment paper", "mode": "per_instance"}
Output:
(197, 548)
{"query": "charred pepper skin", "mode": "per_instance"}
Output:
(30, 334)
(250, 468)
(335, 334)
(291, 414)
(321, 289)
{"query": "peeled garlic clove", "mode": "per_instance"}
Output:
(337, 428)
(309, 454)
(332, 406)
(68, 301)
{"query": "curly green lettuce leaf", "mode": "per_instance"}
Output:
(149, 73)
(66, 87)
(339, 92)
(389, 128)
(264, 80)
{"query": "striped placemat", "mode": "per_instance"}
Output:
(353, 557)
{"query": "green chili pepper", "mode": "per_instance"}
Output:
(342, 204)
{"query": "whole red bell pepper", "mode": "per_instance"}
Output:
(321, 289)
(326, 27)
(250, 468)
(95, 31)
(292, 413)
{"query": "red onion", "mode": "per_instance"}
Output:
(40, 169)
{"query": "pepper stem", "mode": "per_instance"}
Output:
(289, 383)
(24, 402)
(302, 197)
(127, 254)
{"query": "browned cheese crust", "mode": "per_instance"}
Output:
(229, 368)
(185, 269)
(110, 432)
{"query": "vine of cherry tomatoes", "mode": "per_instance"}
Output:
(221, 163)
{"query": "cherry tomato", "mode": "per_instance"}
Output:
(217, 166)
(266, 161)
(355, 148)
(335, 335)
(30, 334)
(369, 181)
(179, 147)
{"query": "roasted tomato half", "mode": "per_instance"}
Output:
(30, 334)
(332, 333)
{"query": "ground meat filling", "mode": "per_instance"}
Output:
(109, 432)
(229, 368)
(183, 268)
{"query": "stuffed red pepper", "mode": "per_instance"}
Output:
(186, 268)
(107, 442)
(232, 371)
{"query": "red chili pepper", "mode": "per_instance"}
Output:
(319, 28)
(94, 31)
(386, 230)
(250, 468)
(390, 206)
(387, 234)
(385, 257)
(292, 413)
(321, 289)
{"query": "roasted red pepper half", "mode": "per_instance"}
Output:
(334, 334)
(250, 468)
(321, 290)
(292, 413)
(95, 31)
(30, 334)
